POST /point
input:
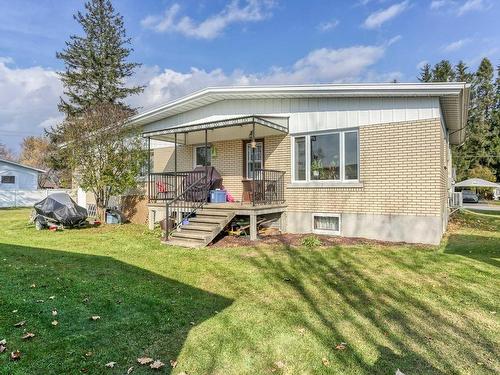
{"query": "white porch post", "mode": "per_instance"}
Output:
(253, 227)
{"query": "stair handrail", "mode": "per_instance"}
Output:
(183, 194)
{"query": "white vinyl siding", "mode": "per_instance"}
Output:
(313, 114)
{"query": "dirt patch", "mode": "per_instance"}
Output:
(273, 238)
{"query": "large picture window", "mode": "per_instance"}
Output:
(330, 156)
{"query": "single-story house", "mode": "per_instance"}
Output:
(355, 160)
(15, 176)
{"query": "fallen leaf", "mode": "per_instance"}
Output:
(144, 360)
(28, 335)
(399, 372)
(55, 322)
(33, 285)
(95, 317)
(110, 364)
(2, 348)
(157, 364)
(85, 300)
(302, 331)
(192, 323)
(88, 354)
(54, 312)
(15, 355)
(14, 311)
(84, 369)
(3, 342)
(129, 371)
(20, 324)
(341, 346)
(52, 297)
(40, 301)
(325, 361)
(173, 363)
(280, 364)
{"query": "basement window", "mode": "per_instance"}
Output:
(326, 224)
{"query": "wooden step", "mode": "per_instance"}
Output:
(184, 242)
(191, 234)
(205, 219)
(203, 227)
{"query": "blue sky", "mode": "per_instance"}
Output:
(187, 45)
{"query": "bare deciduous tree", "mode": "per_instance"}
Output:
(105, 154)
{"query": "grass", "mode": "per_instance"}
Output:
(253, 310)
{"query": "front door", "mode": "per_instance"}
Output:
(258, 158)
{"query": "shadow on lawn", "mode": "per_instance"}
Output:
(344, 300)
(478, 248)
(141, 313)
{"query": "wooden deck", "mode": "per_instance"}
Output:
(157, 212)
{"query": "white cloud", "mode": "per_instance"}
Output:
(438, 4)
(28, 100)
(327, 26)
(455, 46)
(421, 64)
(351, 64)
(471, 5)
(213, 26)
(29, 96)
(381, 16)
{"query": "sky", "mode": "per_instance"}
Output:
(187, 45)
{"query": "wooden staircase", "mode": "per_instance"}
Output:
(202, 228)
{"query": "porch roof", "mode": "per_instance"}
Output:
(193, 133)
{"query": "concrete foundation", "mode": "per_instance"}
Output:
(396, 228)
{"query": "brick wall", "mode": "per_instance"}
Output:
(401, 168)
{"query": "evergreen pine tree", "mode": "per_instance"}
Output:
(425, 74)
(478, 128)
(462, 73)
(443, 72)
(95, 63)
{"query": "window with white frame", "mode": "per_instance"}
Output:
(326, 223)
(199, 156)
(332, 156)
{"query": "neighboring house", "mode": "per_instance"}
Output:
(356, 160)
(15, 176)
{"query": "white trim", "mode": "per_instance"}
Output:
(342, 181)
(324, 231)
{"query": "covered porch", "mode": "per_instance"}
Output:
(234, 147)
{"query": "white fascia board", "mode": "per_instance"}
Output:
(213, 94)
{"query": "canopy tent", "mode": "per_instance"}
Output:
(477, 182)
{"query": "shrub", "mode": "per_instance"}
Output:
(311, 241)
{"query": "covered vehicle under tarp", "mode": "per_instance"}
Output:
(59, 207)
(199, 192)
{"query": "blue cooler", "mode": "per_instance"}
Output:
(217, 196)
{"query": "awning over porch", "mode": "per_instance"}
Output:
(225, 128)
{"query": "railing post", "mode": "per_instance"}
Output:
(149, 169)
(175, 164)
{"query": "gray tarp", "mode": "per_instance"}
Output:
(62, 208)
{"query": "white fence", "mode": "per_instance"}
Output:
(25, 198)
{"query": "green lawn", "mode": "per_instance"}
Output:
(259, 310)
